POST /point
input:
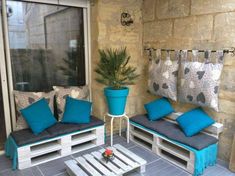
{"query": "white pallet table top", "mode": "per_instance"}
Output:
(94, 163)
(111, 166)
(73, 168)
(130, 154)
(88, 167)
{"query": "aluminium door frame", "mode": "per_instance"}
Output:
(4, 83)
(85, 4)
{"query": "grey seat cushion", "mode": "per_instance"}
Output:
(172, 131)
(25, 136)
(64, 128)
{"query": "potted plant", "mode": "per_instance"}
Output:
(114, 72)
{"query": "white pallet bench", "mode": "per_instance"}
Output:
(176, 154)
(95, 165)
(51, 149)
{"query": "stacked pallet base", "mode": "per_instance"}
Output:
(47, 150)
(163, 147)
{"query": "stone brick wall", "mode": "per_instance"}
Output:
(181, 24)
(202, 24)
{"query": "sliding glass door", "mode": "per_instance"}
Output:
(46, 45)
(2, 120)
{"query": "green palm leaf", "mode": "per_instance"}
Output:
(113, 69)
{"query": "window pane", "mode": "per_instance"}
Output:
(46, 45)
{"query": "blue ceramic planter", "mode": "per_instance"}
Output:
(116, 100)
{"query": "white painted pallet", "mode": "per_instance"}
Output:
(163, 147)
(95, 165)
(51, 149)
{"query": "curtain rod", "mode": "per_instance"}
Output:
(227, 50)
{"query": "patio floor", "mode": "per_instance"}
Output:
(155, 167)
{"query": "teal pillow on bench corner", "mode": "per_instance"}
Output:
(158, 108)
(76, 111)
(194, 121)
(38, 116)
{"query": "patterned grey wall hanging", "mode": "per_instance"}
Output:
(199, 82)
(163, 75)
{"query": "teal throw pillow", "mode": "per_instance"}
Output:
(194, 121)
(158, 108)
(76, 111)
(38, 116)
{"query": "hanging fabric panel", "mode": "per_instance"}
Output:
(163, 75)
(199, 82)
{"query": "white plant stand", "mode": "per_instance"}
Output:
(121, 117)
(94, 164)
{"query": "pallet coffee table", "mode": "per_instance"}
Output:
(95, 165)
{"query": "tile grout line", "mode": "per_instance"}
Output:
(40, 170)
(60, 173)
(153, 161)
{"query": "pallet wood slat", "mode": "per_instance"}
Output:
(98, 165)
(87, 166)
(51, 149)
(123, 158)
(94, 164)
(119, 163)
(110, 165)
(130, 154)
(163, 147)
(72, 167)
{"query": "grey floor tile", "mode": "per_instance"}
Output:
(214, 170)
(119, 140)
(183, 174)
(144, 153)
(54, 167)
(170, 170)
(155, 167)
(62, 174)
(33, 171)
(133, 174)
(5, 163)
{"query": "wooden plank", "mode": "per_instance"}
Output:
(215, 128)
(87, 166)
(45, 148)
(111, 166)
(177, 153)
(73, 169)
(130, 154)
(124, 158)
(158, 149)
(119, 163)
(98, 165)
(141, 136)
(82, 138)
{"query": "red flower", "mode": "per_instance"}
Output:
(108, 152)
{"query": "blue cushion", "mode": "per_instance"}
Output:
(193, 121)
(158, 109)
(76, 111)
(38, 116)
